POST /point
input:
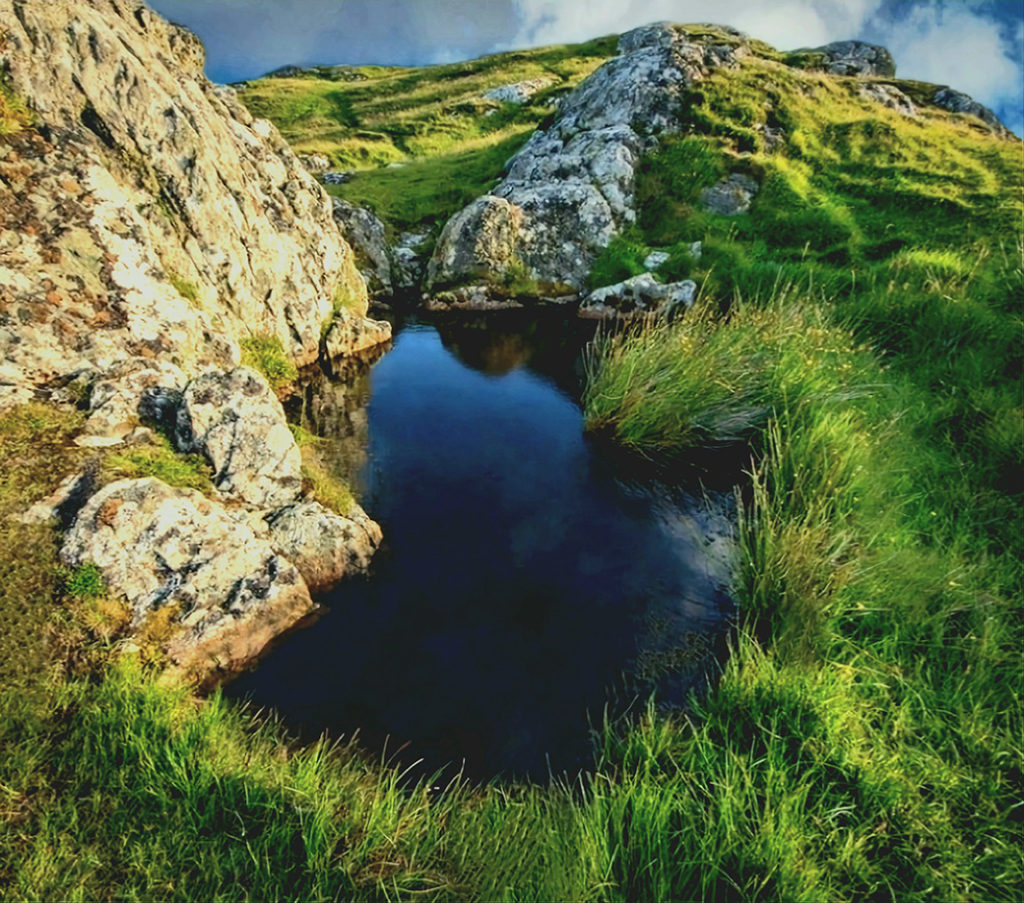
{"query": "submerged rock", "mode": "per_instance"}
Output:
(642, 294)
(569, 189)
(237, 422)
(226, 592)
(326, 547)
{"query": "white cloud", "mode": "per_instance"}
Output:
(786, 23)
(957, 45)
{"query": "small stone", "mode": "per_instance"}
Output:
(655, 259)
(731, 196)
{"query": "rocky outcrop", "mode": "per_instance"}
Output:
(349, 335)
(367, 236)
(323, 545)
(958, 102)
(569, 190)
(237, 422)
(519, 92)
(642, 294)
(225, 592)
(128, 393)
(148, 214)
(855, 58)
(888, 96)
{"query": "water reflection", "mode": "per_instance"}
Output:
(527, 581)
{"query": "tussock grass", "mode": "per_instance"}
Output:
(266, 355)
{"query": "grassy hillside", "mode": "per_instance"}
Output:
(444, 142)
(859, 329)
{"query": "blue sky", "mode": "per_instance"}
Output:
(975, 46)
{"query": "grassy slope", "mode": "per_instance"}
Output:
(432, 122)
(865, 738)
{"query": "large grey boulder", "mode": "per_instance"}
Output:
(148, 214)
(569, 189)
(237, 422)
(326, 547)
(226, 592)
(366, 234)
(958, 102)
(856, 58)
(641, 294)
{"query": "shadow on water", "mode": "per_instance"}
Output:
(527, 582)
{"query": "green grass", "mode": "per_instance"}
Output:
(859, 331)
(266, 355)
(451, 143)
(159, 459)
(188, 290)
(15, 115)
(317, 478)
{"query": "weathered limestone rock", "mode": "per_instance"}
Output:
(569, 190)
(237, 422)
(888, 96)
(149, 214)
(731, 196)
(350, 334)
(173, 549)
(63, 504)
(365, 233)
(642, 294)
(408, 259)
(520, 92)
(857, 58)
(324, 546)
(958, 102)
(125, 394)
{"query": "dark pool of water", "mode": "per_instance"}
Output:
(526, 582)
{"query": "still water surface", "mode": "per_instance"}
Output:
(526, 582)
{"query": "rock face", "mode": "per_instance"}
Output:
(130, 391)
(227, 591)
(569, 190)
(148, 214)
(958, 102)
(323, 545)
(856, 58)
(642, 294)
(238, 423)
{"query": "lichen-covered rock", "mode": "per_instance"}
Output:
(958, 102)
(888, 96)
(731, 196)
(323, 545)
(408, 262)
(856, 58)
(227, 591)
(569, 189)
(128, 392)
(148, 214)
(237, 422)
(349, 334)
(366, 234)
(519, 92)
(641, 294)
